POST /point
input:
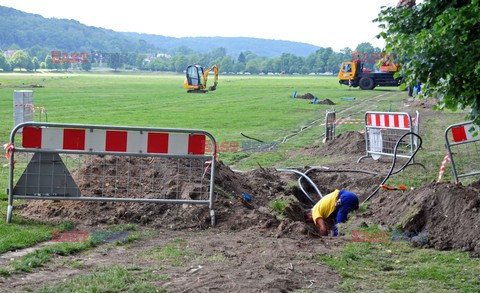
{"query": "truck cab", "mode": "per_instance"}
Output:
(353, 74)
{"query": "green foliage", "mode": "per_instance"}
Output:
(279, 206)
(28, 30)
(3, 61)
(241, 58)
(43, 255)
(36, 63)
(439, 43)
(21, 60)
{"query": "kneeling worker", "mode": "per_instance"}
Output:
(336, 204)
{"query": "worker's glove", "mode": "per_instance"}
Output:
(338, 203)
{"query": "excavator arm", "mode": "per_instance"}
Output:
(215, 77)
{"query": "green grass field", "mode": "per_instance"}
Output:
(260, 107)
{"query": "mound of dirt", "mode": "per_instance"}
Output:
(263, 185)
(36, 85)
(307, 96)
(448, 213)
(324, 102)
(426, 103)
(349, 142)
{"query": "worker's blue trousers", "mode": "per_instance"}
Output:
(349, 202)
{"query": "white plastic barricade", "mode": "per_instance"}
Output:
(382, 131)
(330, 124)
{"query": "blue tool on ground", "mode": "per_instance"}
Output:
(348, 98)
(314, 100)
(294, 94)
(247, 197)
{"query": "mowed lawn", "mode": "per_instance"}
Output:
(259, 107)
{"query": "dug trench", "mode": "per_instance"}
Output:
(449, 213)
(253, 237)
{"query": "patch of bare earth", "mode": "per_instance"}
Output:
(221, 261)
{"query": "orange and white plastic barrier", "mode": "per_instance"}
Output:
(442, 167)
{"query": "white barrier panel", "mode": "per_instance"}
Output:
(382, 131)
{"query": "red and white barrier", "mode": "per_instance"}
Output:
(463, 133)
(102, 140)
(401, 121)
(382, 131)
(442, 167)
(462, 145)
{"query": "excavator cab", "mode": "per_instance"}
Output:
(196, 78)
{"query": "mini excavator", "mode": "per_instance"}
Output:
(196, 78)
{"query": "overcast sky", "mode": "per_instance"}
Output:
(326, 23)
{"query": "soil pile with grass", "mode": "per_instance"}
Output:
(448, 213)
(307, 96)
(349, 142)
(324, 102)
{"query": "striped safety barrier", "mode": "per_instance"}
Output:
(103, 140)
(387, 120)
(384, 129)
(442, 168)
(130, 164)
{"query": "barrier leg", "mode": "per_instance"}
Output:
(9, 213)
(212, 218)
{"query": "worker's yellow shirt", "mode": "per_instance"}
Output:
(325, 207)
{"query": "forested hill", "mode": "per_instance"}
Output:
(26, 30)
(22, 30)
(233, 45)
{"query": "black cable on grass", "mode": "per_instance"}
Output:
(390, 173)
(251, 137)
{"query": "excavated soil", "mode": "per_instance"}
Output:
(325, 102)
(448, 213)
(262, 185)
(307, 96)
(421, 103)
(349, 142)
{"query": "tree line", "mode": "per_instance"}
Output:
(323, 60)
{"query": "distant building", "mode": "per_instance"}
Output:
(9, 53)
(164, 55)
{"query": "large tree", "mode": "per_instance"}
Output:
(36, 63)
(3, 60)
(438, 42)
(20, 59)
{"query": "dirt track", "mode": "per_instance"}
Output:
(223, 261)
